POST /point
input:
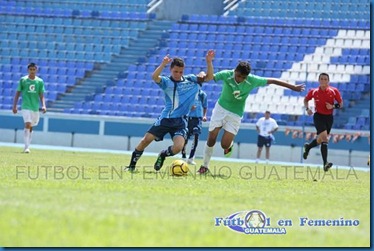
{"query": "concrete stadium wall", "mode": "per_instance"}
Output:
(124, 134)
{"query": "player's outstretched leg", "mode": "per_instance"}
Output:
(309, 146)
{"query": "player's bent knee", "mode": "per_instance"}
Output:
(225, 145)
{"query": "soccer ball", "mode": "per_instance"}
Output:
(179, 168)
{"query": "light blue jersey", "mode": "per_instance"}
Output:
(179, 96)
(201, 103)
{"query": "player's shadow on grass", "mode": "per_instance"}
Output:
(166, 173)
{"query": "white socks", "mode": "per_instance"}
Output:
(27, 137)
(208, 152)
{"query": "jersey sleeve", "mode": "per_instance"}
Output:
(259, 122)
(222, 75)
(19, 87)
(338, 96)
(309, 95)
(42, 88)
(275, 124)
(257, 80)
(163, 82)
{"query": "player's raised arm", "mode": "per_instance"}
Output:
(209, 65)
(275, 81)
(157, 72)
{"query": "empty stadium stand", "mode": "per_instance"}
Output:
(96, 57)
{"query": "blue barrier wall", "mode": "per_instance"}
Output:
(114, 126)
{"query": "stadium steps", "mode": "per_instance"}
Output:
(137, 51)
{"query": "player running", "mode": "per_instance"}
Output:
(324, 99)
(229, 109)
(180, 92)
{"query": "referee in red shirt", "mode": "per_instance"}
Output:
(324, 99)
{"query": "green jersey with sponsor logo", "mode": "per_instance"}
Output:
(233, 95)
(30, 90)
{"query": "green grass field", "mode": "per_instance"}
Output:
(60, 198)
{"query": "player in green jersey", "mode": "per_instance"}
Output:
(229, 109)
(31, 88)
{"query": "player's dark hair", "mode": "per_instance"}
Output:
(267, 112)
(177, 62)
(324, 74)
(31, 65)
(244, 68)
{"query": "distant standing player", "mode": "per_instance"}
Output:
(265, 127)
(229, 109)
(195, 117)
(31, 88)
(324, 99)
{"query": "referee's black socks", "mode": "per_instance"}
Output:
(312, 144)
(324, 152)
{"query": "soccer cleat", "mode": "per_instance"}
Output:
(327, 166)
(306, 151)
(130, 169)
(190, 161)
(159, 162)
(228, 151)
(203, 170)
(26, 150)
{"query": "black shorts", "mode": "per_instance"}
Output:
(173, 126)
(261, 141)
(194, 126)
(323, 122)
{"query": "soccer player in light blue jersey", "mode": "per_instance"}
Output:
(180, 92)
(195, 118)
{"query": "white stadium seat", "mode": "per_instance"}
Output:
(367, 34)
(328, 50)
(285, 99)
(351, 34)
(349, 69)
(365, 44)
(330, 42)
(323, 67)
(325, 59)
(357, 43)
(302, 76)
(312, 76)
(294, 76)
(331, 68)
(338, 43)
(340, 68)
(348, 43)
(366, 69)
(360, 34)
(345, 78)
(276, 99)
(358, 69)
(342, 33)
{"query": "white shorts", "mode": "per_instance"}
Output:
(30, 117)
(221, 117)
